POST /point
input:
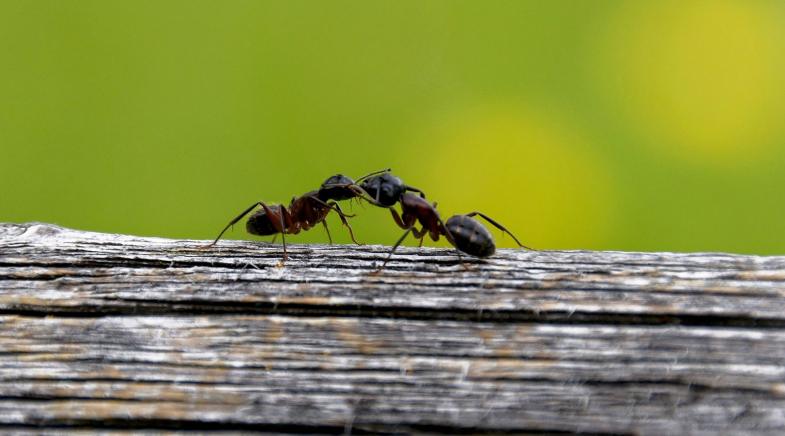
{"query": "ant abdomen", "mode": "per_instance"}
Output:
(470, 237)
(260, 223)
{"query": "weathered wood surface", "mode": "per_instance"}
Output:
(103, 331)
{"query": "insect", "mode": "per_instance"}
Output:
(303, 213)
(386, 189)
(463, 232)
(340, 187)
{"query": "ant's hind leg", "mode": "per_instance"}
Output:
(232, 222)
(284, 219)
(498, 226)
(460, 260)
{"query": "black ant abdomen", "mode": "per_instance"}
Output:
(470, 237)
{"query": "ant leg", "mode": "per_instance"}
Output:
(283, 231)
(498, 226)
(232, 222)
(442, 230)
(360, 192)
(332, 205)
(329, 238)
(397, 243)
(275, 236)
(285, 222)
(343, 216)
(419, 235)
(404, 224)
(413, 189)
(460, 259)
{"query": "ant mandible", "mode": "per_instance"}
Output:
(304, 212)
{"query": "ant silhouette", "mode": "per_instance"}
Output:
(303, 213)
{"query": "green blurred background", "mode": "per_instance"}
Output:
(598, 125)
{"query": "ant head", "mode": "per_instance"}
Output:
(385, 188)
(337, 187)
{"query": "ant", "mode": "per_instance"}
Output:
(463, 232)
(386, 189)
(303, 213)
(380, 188)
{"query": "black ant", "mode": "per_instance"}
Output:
(304, 212)
(464, 232)
(386, 189)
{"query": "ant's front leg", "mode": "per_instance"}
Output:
(343, 217)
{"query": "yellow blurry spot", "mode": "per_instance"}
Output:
(529, 172)
(704, 79)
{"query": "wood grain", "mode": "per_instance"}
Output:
(116, 332)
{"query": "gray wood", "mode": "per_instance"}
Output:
(116, 332)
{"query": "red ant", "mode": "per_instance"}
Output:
(304, 212)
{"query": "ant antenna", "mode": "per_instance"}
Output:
(387, 170)
(360, 192)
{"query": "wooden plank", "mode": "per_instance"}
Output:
(120, 332)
